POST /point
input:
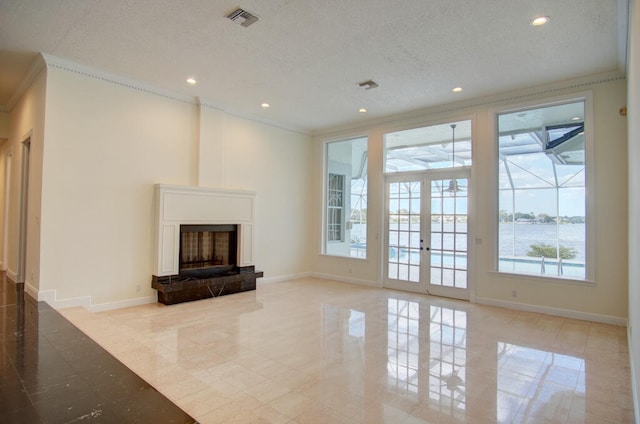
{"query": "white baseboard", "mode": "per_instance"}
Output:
(342, 279)
(566, 313)
(31, 291)
(634, 387)
(281, 278)
(50, 296)
(108, 306)
(13, 276)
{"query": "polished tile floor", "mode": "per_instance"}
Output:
(316, 351)
(50, 372)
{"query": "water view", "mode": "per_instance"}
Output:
(514, 251)
(518, 241)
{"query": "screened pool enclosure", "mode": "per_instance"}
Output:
(542, 191)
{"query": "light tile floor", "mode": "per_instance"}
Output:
(317, 351)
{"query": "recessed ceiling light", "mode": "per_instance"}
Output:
(362, 110)
(457, 89)
(540, 21)
(191, 81)
(265, 105)
(576, 118)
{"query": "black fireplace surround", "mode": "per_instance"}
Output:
(207, 266)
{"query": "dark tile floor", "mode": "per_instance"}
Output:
(51, 372)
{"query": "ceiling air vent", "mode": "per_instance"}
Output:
(368, 85)
(243, 17)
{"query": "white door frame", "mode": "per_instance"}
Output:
(424, 285)
(24, 207)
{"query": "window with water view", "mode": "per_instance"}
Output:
(542, 191)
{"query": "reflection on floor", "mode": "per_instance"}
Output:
(315, 351)
(50, 372)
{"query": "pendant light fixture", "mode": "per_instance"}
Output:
(453, 184)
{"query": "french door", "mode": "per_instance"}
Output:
(426, 233)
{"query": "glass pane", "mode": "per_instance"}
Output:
(403, 256)
(415, 206)
(394, 206)
(414, 240)
(403, 272)
(436, 241)
(346, 198)
(436, 205)
(447, 277)
(461, 261)
(394, 238)
(393, 271)
(542, 195)
(433, 147)
(572, 205)
(436, 223)
(436, 276)
(448, 205)
(436, 257)
(448, 241)
(414, 256)
(403, 206)
(414, 274)
(461, 242)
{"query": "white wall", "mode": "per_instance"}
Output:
(633, 120)
(607, 298)
(4, 126)
(107, 144)
(244, 154)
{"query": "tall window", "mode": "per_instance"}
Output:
(346, 198)
(542, 191)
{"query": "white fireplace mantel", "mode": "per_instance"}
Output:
(176, 205)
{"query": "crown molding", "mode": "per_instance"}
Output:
(54, 62)
(465, 106)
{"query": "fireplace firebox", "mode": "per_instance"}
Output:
(203, 247)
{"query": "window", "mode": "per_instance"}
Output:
(346, 198)
(542, 191)
(433, 147)
(335, 206)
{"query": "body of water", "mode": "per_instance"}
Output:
(569, 235)
(512, 253)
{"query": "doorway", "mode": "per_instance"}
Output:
(426, 233)
(24, 205)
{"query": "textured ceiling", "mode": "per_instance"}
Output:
(305, 57)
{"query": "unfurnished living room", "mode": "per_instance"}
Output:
(320, 212)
